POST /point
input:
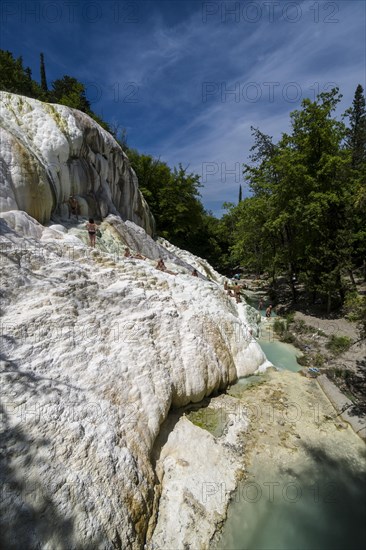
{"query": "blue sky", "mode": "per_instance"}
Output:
(188, 79)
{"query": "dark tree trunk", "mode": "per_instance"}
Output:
(329, 302)
(350, 273)
(341, 289)
(292, 282)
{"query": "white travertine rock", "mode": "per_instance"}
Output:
(49, 151)
(97, 348)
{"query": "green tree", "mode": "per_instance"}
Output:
(43, 74)
(301, 197)
(174, 199)
(15, 78)
(69, 91)
(173, 196)
(253, 242)
(355, 144)
(356, 134)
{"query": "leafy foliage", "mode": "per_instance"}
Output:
(17, 79)
(305, 216)
(339, 344)
(67, 90)
(174, 199)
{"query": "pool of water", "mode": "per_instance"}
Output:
(281, 355)
(317, 507)
(243, 384)
(317, 504)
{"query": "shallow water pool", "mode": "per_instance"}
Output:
(317, 503)
(317, 506)
(281, 355)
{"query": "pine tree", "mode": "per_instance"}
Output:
(240, 193)
(356, 145)
(28, 72)
(356, 139)
(43, 75)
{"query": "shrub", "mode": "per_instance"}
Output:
(279, 326)
(303, 360)
(289, 338)
(300, 326)
(318, 360)
(338, 344)
(290, 317)
(354, 305)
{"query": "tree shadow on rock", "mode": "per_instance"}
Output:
(31, 507)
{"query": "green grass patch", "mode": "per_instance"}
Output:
(212, 420)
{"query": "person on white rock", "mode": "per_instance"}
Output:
(91, 226)
(73, 207)
(137, 256)
(237, 289)
(161, 265)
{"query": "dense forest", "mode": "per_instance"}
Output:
(305, 216)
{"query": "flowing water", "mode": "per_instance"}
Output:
(316, 502)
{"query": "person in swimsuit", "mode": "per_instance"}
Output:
(161, 265)
(237, 289)
(269, 311)
(137, 256)
(92, 230)
(73, 207)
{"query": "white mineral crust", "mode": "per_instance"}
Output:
(96, 350)
(49, 151)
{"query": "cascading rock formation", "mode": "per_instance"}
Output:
(97, 348)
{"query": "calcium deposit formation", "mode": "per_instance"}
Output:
(98, 348)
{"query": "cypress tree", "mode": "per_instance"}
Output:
(28, 72)
(240, 193)
(43, 75)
